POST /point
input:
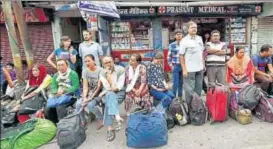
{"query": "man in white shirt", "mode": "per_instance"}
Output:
(192, 61)
(216, 59)
(112, 79)
(90, 47)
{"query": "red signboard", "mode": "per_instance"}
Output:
(31, 15)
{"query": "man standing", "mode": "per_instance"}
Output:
(216, 59)
(90, 47)
(192, 61)
(174, 63)
(261, 61)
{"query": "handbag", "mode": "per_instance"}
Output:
(60, 100)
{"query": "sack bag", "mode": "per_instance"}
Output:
(244, 116)
(70, 133)
(217, 102)
(169, 119)
(179, 112)
(197, 111)
(29, 135)
(249, 96)
(237, 112)
(32, 105)
(146, 129)
(264, 110)
(56, 101)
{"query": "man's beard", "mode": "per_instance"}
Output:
(86, 39)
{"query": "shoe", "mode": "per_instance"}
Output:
(110, 135)
(119, 125)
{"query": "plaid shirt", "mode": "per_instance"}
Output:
(173, 53)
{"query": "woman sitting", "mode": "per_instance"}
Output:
(157, 83)
(38, 81)
(240, 70)
(137, 90)
(65, 84)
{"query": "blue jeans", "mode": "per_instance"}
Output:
(91, 106)
(193, 83)
(112, 100)
(165, 97)
(177, 79)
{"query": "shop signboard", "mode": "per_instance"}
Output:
(227, 10)
(104, 8)
(137, 11)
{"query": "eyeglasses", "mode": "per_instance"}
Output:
(108, 62)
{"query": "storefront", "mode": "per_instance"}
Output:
(152, 28)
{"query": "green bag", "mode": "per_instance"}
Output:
(29, 135)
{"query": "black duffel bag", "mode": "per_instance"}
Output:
(32, 105)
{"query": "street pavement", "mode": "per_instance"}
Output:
(225, 135)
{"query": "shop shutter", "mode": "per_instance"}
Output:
(41, 39)
(265, 31)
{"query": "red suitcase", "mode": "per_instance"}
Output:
(217, 102)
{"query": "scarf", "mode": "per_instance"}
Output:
(133, 76)
(63, 79)
(238, 66)
(37, 81)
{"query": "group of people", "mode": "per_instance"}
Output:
(189, 58)
(139, 84)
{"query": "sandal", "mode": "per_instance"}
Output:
(119, 125)
(111, 135)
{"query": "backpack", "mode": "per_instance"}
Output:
(264, 110)
(70, 132)
(197, 110)
(178, 112)
(249, 96)
(169, 119)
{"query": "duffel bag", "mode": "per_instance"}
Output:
(29, 135)
(70, 133)
(249, 96)
(146, 129)
(32, 105)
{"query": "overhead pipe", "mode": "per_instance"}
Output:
(206, 3)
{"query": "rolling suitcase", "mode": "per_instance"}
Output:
(217, 102)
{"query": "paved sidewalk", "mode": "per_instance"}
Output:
(226, 135)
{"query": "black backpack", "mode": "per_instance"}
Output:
(70, 133)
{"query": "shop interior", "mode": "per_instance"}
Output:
(205, 26)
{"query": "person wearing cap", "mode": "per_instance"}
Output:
(174, 63)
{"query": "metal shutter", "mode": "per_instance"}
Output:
(265, 31)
